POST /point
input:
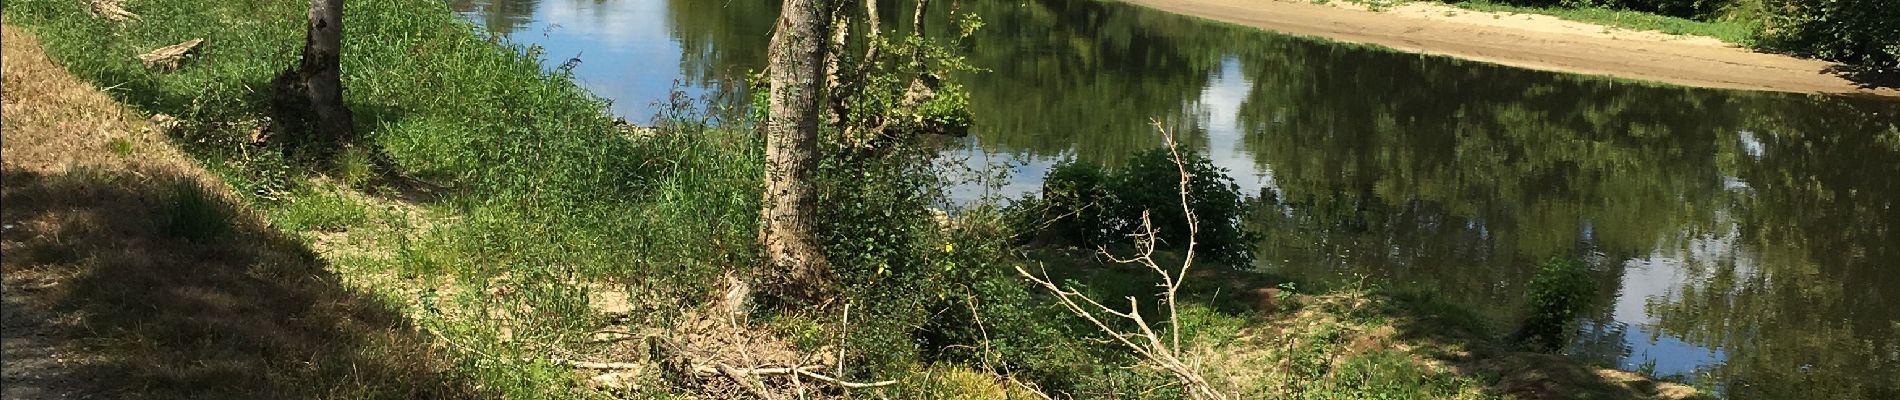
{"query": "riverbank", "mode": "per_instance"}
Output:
(527, 251)
(1535, 42)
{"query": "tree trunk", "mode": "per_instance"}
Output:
(796, 72)
(321, 74)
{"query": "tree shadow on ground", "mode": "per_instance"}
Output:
(1867, 78)
(1434, 331)
(1427, 329)
(169, 290)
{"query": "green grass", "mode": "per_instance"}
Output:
(120, 146)
(1737, 32)
(321, 211)
(192, 212)
(528, 189)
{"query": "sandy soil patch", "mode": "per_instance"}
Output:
(1534, 42)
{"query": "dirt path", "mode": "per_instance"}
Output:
(1533, 41)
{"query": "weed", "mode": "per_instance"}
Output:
(120, 147)
(354, 167)
(192, 212)
(322, 211)
(1559, 294)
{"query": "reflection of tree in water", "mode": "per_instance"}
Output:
(1089, 80)
(1486, 170)
(721, 41)
(500, 18)
(1463, 184)
(1086, 76)
(1805, 299)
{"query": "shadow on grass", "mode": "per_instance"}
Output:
(1377, 323)
(170, 291)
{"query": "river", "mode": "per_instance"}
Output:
(1743, 241)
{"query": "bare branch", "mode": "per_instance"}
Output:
(1144, 341)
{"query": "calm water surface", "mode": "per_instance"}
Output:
(1744, 241)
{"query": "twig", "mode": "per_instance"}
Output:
(744, 382)
(1143, 341)
(844, 329)
(599, 365)
(806, 371)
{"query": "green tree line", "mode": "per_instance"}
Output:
(1865, 34)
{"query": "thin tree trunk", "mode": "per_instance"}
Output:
(321, 72)
(797, 70)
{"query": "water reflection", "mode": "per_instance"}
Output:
(1742, 240)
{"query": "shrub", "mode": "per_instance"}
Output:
(1150, 181)
(1083, 204)
(1075, 202)
(1559, 294)
(1863, 33)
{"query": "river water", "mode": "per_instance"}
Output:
(1743, 241)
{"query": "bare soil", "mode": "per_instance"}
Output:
(1535, 42)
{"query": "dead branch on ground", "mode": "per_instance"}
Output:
(170, 57)
(111, 10)
(1143, 340)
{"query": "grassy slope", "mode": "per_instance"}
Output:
(495, 189)
(163, 285)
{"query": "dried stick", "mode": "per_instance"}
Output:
(1143, 340)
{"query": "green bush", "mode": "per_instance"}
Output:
(1150, 182)
(1862, 33)
(1559, 293)
(1082, 204)
(1075, 200)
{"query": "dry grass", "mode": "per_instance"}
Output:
(144, 267)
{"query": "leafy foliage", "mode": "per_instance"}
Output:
(1076, 201)
(1084, 204)
(1150, 183)
(1864, 33)
(1559, 294)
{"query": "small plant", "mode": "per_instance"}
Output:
(354, 166)
(120, 146)
(192, 212)
(1559, 294)
(1647, 368)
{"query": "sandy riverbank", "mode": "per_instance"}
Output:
(1533, 41)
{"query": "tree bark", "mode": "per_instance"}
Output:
(796, 72)
(320, 73)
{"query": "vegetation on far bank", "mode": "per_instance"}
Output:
(511, 224)
(1862, 34)
(1729, 30)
